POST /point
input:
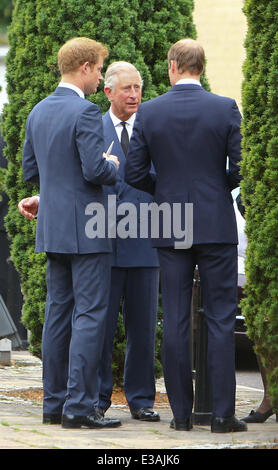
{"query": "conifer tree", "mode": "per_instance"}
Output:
(260, 183)
(137, 31)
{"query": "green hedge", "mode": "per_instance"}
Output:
(137, 31)
(260, 183)
(6, 7)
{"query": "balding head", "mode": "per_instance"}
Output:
(188, 55)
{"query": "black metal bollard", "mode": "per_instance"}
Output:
(203, 400)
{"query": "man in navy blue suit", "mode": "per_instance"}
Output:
(64, 152)
(188, 134)
(135, 266)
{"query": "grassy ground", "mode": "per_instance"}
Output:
(221, 27)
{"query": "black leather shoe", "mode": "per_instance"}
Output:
(257, 417)
(51, 418)
(145, 414)
(100, 411)
(181, 424)
(231, 424)
(93, 421)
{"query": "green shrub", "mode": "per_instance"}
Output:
(5, 13)
(260, 183)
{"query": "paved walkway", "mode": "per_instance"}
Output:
(21, 422)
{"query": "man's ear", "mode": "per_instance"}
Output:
(173, 66)
(85, 67)
(108, 92)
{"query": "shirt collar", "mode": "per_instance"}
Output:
(72, 87)
(116, 121)
(188, 81)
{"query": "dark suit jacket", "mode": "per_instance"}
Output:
(3, 196)
(64, 145)
(187, 134)
(129, 252)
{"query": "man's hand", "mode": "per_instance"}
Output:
(112, 158)
(28, 207)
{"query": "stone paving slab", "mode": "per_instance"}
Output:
(21, 422)
(21, 428)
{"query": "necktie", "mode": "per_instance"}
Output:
(124, 138)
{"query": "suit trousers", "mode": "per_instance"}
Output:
(76, 307)
(217, 266)
(137, 288)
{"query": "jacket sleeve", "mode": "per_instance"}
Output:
(234, 148)
(138, 163)
(90, 143)
(29, 163)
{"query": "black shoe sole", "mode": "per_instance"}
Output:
(228, 429)
(155, 418)
(78, 426)
(180, 427)
(68, 425)
(51, 419)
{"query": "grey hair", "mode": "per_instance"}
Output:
(114, 69)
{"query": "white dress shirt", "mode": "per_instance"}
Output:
(188, 81)
(118, 127)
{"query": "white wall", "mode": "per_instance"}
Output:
(221, 29)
